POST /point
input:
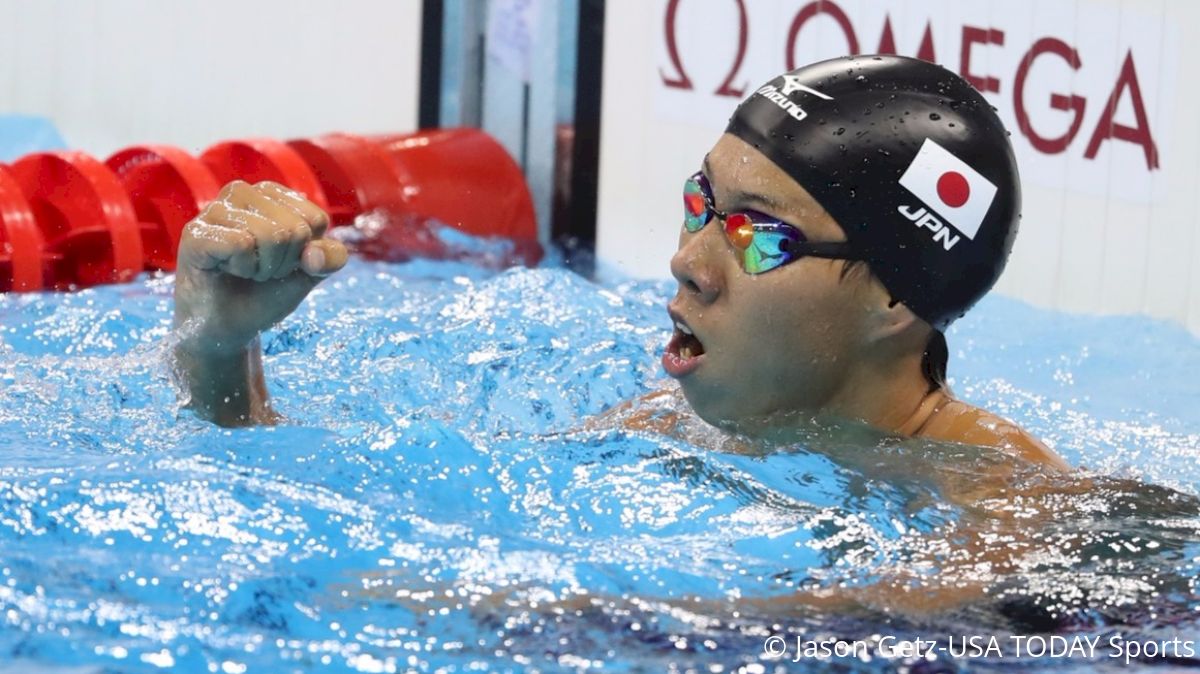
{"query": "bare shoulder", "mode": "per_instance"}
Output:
(957, 421)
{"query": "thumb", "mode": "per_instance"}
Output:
(322, 257)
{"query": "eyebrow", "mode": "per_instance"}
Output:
(740, 196)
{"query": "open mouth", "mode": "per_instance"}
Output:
(688, 345)
(684, 351)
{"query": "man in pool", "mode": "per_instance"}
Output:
(852, 210)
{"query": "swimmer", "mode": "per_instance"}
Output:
(852, 210)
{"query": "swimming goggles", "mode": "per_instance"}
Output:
(765, 243)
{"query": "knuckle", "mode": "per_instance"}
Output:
(240, 189)
(208, 211)
(232, 186)
(280, 235)
(189, 230)
(243, 240)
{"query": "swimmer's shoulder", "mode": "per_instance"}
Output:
(956, 421)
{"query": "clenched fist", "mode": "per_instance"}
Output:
(246, 262)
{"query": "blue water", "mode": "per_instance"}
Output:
(443, 497)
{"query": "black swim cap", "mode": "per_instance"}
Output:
(909, 159)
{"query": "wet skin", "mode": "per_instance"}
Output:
(783, 340)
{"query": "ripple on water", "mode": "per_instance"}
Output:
(439, 497)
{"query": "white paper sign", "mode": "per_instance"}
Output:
(510, 30)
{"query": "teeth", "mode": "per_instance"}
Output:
(683, 328)
(685, 352)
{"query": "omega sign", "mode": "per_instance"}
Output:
(1088, 83)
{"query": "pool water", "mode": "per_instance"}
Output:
(443, 498)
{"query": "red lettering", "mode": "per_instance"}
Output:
(1127, 85)
(681, 81)
(887, 40)
(1109, 128)
(925, 52)
(1076, 104)
(809, 11)
(727, 88)
(972, 36)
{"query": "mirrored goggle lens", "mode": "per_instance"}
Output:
(695, 205)
(767, 245)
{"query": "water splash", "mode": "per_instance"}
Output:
(443, 494)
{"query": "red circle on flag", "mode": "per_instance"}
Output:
(953, 189)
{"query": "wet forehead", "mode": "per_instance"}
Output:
(742, 177)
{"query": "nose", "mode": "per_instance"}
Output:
(695, 271)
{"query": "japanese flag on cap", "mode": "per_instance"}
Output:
(954, 190)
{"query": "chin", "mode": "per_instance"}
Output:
(712, 410)
(701, 405)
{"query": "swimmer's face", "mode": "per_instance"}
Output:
(783, 341)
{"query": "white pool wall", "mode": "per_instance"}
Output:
(114, 73)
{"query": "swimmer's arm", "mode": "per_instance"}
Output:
(226, 388)
(994, 540)
(644, 413)
(244, 263)
(883, 597)
(969, 563)
(890, 597)
(952, 572)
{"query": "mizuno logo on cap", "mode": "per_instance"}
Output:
(791, 84)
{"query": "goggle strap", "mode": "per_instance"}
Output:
(829, 250)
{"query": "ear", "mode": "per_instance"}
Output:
(888, 318)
